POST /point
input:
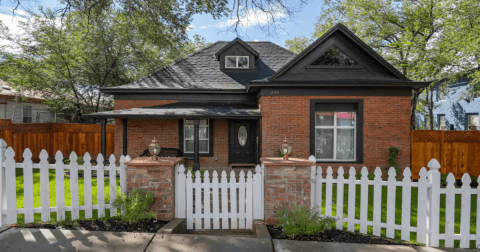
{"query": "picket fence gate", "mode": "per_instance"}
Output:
(428, 209)
(8, 196)
(204, 202)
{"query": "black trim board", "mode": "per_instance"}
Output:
(210, 140)
(359, 145)
(335, 91)
(189, 97)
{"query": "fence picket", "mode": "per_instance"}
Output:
(11, 186)
(406, 203)
(433, 197)
(351, 200)
(241, 200)
(340, 188)
(450, 211)
(198, 200)
(112, 178)
(3, 195)
(391, 195)
(377, 202)
(363, 200)
(60, 185)
(28, 185)
(75, 214)
(123, 174)
(422, 207)
(87, 181)
(318, 193)
(181, 192)
(249, 207)
(233, 200)
(313, 182)
(328, 192)
(100, 186)
(189, 189)
(44, 187)
(216, 213)
(257, 200)
(465, 212)
(206, 199)
(224, 201)
(477, 243)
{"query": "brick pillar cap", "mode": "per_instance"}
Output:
(291, 161)
(147, 161)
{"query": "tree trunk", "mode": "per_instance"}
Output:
(430, 106)
(427, 125)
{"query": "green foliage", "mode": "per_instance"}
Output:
(301, 221)
(134, 205)
(358, 176)
(278, 153)
(79, 161)
(346, 176)
(371, 176)
(193, 173)
(392, 159)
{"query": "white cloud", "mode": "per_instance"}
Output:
(203, 27)
(254, 17)
(190, 27)
(256, 40)
(12, 24)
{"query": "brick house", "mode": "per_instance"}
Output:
(337, 100)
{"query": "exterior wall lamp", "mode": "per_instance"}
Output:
(154, 149)
(285, 149)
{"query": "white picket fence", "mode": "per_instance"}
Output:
(428, 208)
(8, 194)
(207, 201)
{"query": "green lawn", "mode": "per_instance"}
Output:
(398, 211)
(52, 187)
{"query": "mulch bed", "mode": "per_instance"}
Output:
(112, 225)
(333, 235)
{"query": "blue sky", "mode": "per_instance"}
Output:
(302, 24)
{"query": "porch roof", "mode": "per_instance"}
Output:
(186, 110)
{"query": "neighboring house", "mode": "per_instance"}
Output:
(23, 106)
(337, 100)
(451, 110)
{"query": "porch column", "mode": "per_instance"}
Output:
(103, 146)
(196, 145)
(125, 122)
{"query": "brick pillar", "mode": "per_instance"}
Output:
(157, 177)
(285, 182)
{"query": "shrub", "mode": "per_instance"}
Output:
(301, 221)
(193, 173)
(134, 205)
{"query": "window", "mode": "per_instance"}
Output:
(187, 137)
(442, 122)
(336, 130)
(472, 122)
(236, 61)
(334, 57)
(27, 114)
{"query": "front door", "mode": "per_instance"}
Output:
(243, 142)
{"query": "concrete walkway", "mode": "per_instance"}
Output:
(17, 239)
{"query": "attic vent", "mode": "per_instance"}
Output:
(334, 57)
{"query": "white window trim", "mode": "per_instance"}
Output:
(236, 60)
(440, 122)
(335, 127)
(185, 125)
(468, 121)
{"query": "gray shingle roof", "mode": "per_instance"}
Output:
(186, 109)
(201, 70)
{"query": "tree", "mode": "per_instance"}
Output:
(410, 34)
(70, 60)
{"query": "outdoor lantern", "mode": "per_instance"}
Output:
(285, 149)
(154, 149)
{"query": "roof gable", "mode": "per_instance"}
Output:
(360, 62)
(232, 43)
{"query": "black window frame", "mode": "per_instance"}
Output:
(359, 128)
(181, 138)
(466, 119)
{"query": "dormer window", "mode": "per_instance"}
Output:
(236, 62)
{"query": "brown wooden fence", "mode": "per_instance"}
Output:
(53, 137)
(457, 151)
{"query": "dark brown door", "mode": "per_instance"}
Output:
(243, 142)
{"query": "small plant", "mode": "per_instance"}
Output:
(193, 173)
(392, 159)
(358, 176)
(346, 176)
(371, 176)
(301, 221)
(134, 205)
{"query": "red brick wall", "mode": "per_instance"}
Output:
(386, 123)
(141, 132)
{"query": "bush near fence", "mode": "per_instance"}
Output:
(53, 137)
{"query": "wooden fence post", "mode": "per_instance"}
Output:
(3, 195)
(433, 203)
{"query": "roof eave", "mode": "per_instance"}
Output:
(170, 91)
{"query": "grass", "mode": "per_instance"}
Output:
(52, 188)
(398, 211)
